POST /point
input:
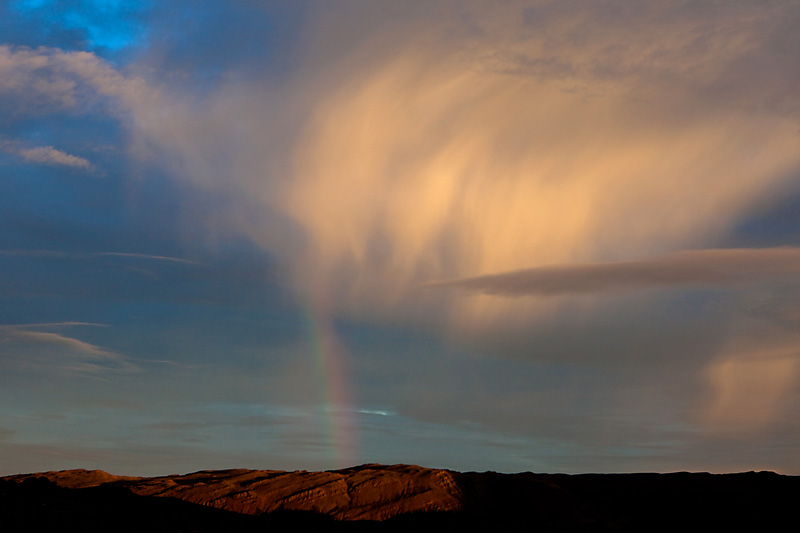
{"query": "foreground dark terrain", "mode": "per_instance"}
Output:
(395, 498)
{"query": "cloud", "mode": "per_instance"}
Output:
(694, 267)
(79, 255)
(440, 168)
(56, 325)
(705, 48)
(21, 348)
(439, 140)
(442, 150)
(501, 140)
(44, 80)
(753, 389)
(46, 155)
(50, 156)
(147, 256)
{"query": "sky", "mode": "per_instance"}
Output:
(548, 236)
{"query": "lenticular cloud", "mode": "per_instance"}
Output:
(693, 267)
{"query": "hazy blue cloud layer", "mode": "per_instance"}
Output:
(549, 236)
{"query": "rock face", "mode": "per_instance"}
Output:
(367, 492)
(77, 479)
(398, 498)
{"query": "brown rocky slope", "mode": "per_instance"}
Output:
(404, 495)
(367, 492)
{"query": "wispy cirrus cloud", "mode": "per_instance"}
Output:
(691, 267)
(148, 256)
(45, 155)
(57, 254)
(54, 325)
(51, 156)
(23, 347)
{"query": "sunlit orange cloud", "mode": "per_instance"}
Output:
(752, 390)
(477, 141)
(419, 147)
(415, 170)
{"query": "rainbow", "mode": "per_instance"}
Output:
(330, 357)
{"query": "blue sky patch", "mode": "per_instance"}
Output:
(105, 24)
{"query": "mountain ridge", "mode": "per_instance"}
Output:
(387, 496)
(365, 492)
